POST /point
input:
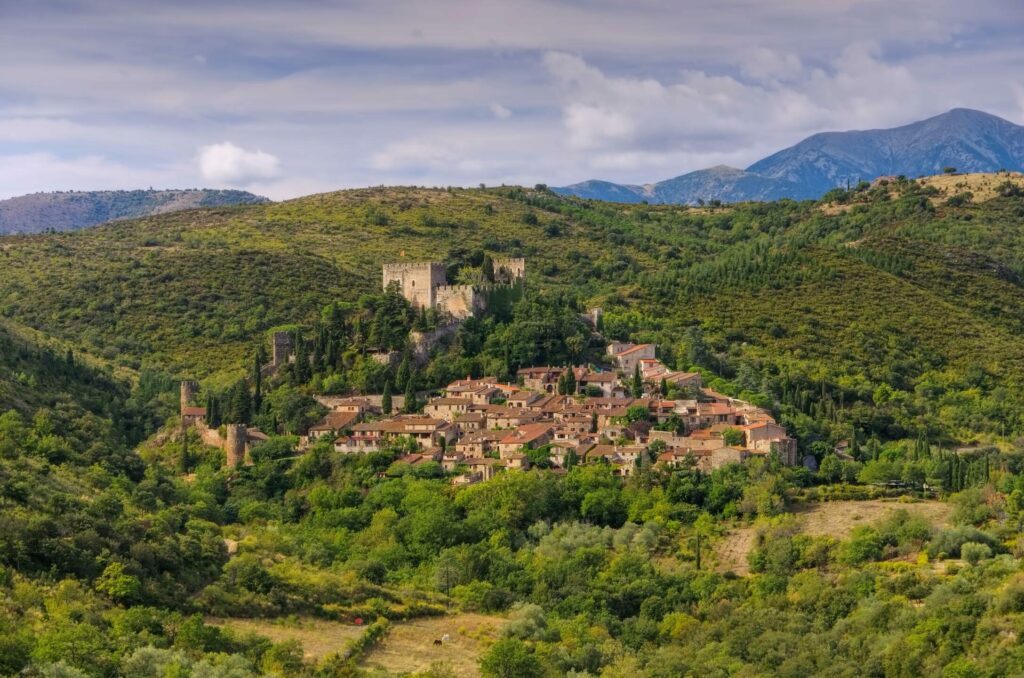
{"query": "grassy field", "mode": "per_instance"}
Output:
(319, 637)
(835, 519)
(409, 647)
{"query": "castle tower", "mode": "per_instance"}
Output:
(282, 348)
(509, 270)
(416, 281)
(188, 394)
(234, 447)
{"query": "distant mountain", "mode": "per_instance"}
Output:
(71, 210)
(970, 141)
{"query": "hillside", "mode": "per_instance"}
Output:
(894, 291)
(72, 210)
(968, 140)
(889, 316)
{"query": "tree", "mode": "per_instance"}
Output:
(732, 437)
(487, 268)
(385, 399)
(402, 377)
(664, 387)
(510, 658)
(697, 352)
(410, 405)
(570, 381)
(257, 379)
(240, 404)
(638, 382)
(831, 469)
(303, 371)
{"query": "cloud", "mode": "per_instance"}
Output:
(500, 112)
(225, 163)
(623, 119)
(32, 172)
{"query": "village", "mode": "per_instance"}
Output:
(629, 411)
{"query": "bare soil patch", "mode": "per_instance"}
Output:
(319, 637)
(409, 646)
(835, 519)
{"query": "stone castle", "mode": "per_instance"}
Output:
(425, 285)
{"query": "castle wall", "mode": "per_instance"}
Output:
(416, 280)
(459, 301)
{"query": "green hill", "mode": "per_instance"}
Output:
(885, 313)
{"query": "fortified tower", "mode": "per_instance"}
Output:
(417, 281)
(234, 447)
(282, 349)
(188, 394)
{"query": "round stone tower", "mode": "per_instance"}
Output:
(234, 447)
(188, 394)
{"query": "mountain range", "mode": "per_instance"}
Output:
(72, 210)
(965, 139)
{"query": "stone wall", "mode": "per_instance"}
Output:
(459, 301)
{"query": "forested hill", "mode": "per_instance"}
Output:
(71, 210)
(882, 308)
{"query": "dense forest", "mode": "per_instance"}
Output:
(885, 319)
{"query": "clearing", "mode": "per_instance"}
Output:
(409, 646)
(834, 519)
(319, 637)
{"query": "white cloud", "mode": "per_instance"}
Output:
(500, 112)
(33, 172)
(620, 120)
(226, 163)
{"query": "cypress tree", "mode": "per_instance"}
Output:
(410, 404)
(385, 399)
(487, 268)
(638, 382)
(570, 382)
(402, 378)
(257, 380)
(664, 387)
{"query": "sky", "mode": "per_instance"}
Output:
(291, 98)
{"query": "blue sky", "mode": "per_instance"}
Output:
(290, 98)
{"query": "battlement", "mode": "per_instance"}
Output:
(416, 266)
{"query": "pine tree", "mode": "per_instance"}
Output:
(385, 399)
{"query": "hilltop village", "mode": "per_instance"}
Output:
(629, 411)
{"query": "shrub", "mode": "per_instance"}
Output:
(974, 552)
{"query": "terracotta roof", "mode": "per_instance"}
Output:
(527, 433)
(193, 411)
(335, 421)
(632, 349)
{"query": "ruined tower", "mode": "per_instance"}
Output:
(282, 348)
(234, 447)
(188, 394)
(509, 271)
